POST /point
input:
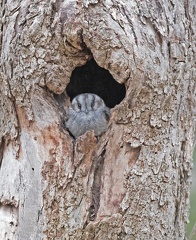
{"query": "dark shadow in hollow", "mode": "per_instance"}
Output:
(91, 78)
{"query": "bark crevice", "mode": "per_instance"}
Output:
(96, 188)
(2, 146)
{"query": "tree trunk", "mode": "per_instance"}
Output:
(132, 182)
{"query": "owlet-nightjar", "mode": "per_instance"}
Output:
(87, 112)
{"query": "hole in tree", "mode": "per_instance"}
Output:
(90, 78)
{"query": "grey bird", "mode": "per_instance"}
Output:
(87, 112)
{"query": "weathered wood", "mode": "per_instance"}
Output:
(133, 182)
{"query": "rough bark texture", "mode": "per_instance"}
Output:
(133, 182)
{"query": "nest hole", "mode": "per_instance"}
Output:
(91, 78)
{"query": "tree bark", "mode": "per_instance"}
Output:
(131, 183)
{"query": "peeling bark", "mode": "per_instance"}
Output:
(131, 183)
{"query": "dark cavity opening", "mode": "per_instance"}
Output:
(91, 78)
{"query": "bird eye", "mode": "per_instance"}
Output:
(92, 105)
(79, 105)
(93, 102)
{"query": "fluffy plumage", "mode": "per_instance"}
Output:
(87, 111)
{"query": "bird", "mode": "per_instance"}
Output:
(87, 112)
